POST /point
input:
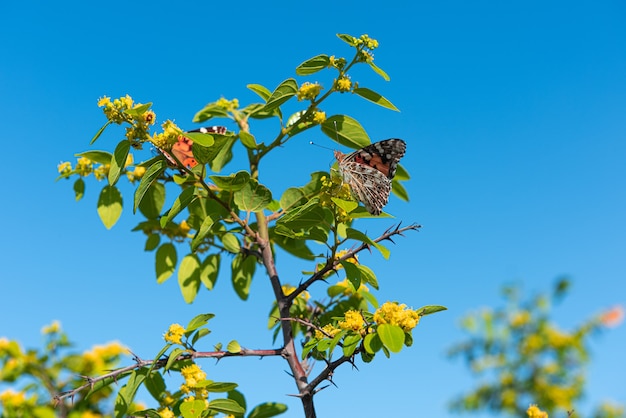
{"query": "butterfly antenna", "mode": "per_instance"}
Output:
(321, 146)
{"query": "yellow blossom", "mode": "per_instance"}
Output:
(149, 117)
(101, 172)
(174, 334)
(53, 328)
(64, 168)
(396, 314)
(308, 91)
(129, 160)
(104, 101)
(369, 43)
(340, 254)
(534, 412)
(192, 375)
(520, 319)
(329, 329)
(166, 413)
(288, 289)
(353, 321)
(184, 227)
(343, 84)
(12, 399)
(319, 117)
(89, 414)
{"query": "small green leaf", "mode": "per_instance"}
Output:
(223, 152)
(225, 406)
(102, 157)
(232, 182)
(368, 276)
(217, 387)
(152, 242)
(127, 393)
(401, 173)
(233, 347)
(153, 201)
(346, 131)
(360, 236)
(209, 111)
(253, 196)
(347, 205)
(313, 65)
(189, 277)
(151, 175)
(192, 409)
(138, 110)
(201, 138)
(231, 243)
(97, 135)
(181, 202)
(391, 336)
(155, 384)
(430, 309)
(372, 343)
(374, 97)
(203, 231)
(292, 197)
(110, 206)
(285, 91)
(118, 161)
(349, 39)
(79, 189)
(353, 274)
(242, 272)
(350, 344)
(197, 322)
(166, 260)
(262, 91)
(399, 190)
(247, 140)
(378, 71)
(267, 410)
(209, 270)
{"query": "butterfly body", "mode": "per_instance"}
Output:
(370, 170)
(183, 148)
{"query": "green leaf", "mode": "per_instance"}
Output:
(155, 384)
(267, 410)
(247, 140)
(151, 175)
(391, 336)
(285, 91)
(350, 344)
(374, 97)
(173, 357)
(347, 205)
(378, 71)
(203, 231)
(353, 274)
(372, 343)
(360, 236)
(295, 247)
(349, 39)
(153, 201)
(209, 111)
(201, 138)
(110, 206)
(399, 190)
(226, 406)
(231, 243)
(346, 131)
(166, 260)
(102, 157)
(189, 277)
(197, 322)
(253, 196)
(292, 197)
(262, 91)
(223, 152)
(368, 276)
(192, 409)
(127, 393)
(152, 242)
(234, 348)
(430, 309)
(313, 65)
(401, 173)
(138, 110)
(209, 270)
(79, 189)
(242, 272)
(118, 161)
(97, 135)
(216, 387)
(181, 202)
(232, 182)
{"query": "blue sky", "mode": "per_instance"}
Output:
(514, 119)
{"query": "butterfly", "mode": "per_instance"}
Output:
(182, 149)
(369, 171)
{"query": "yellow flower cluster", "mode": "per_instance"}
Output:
(100, 357)
(168, 137)
(520, 319)
(335, 187)
(319, 117)
(368, 42)
(338, 63)
(353, 321)
(343, 84)
(228, 105)
(53, 328)
(136, 174)
(534, 412)
(348, 288)
(166, 413)
(396, 314)
(118, 111)
(11, 399)
(174, 334)
(308, 91)
(65, 168)
(329, 329)
(193, 375)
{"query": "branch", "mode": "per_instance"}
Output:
(331, 264)
(157, 364)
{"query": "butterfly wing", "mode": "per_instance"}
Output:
(369, 171)
(183, 148)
